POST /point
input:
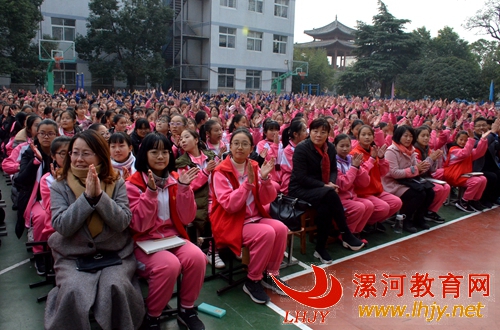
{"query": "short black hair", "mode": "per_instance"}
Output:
(120, 137)
(340, 137)
(402, 129)
(318, 123)
(153, 141)
(141, 123)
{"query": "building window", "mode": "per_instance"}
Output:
(253, 79)
(256, 5)
(227, 37)
(254, 41)
(281, 8)
(228, 3)
(66, 74)
(63, 29)
(226, 78)
(276, 74)
(279, 44)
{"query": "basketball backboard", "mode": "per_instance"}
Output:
(50, 50)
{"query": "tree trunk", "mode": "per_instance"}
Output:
(131, 81)
(383, 87)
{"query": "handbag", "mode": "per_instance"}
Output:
(288, 210)
(416, 183)
(98, 261)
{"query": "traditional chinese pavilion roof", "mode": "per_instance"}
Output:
(334, 30)
(329, 44)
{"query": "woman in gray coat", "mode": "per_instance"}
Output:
(90, 213)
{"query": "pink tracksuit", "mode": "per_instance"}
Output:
(151, 219)
(460, 162)
(265, 238)
(286, 166)
(357, 210)
(10, 165)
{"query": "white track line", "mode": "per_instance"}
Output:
(337, 261)
(14, 266)
(402, 239)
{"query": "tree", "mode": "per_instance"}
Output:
(487, 19)
(446, 68)
(383, 51)
(320, 71)
(124, 40)
(18, 26)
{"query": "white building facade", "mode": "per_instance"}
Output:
(216, 45)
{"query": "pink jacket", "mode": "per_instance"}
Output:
(151, 209)
(400, 166)
(286, 165)
(351, 178)
(10, 165)
(45, 183)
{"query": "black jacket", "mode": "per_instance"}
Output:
(490, 159)
(306, 180)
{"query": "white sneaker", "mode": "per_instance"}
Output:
(219, 264)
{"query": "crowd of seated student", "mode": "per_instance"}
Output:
(223, 158)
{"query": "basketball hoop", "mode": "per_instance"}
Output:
(58, 60)
(302, 75)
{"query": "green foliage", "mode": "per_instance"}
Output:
(18, 26)
(383, 51)
(320, 71)
(446, 68)
(124, 40)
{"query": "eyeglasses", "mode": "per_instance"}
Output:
(244, 145)
(62, 153)
(84, 155)
(44, 134)
(481, 125)
(176, 124)
(157, 153)
(107, 133)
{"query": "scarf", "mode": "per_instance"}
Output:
(76, 181)
(344, 164)
(405, 150)
(160, 182)
(62, 132)
(127, 164)
(325, 162)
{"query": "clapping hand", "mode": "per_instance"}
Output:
(125, 174)
(35, 150)
(436, 154)
(423, 167)
(250, 173)
(210, 166)
(381, 151)
(186, 177)
(266, 168)
(92, 183)
(485, 134)
(357, 159)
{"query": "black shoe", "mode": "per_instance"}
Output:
(368, 229)
(40, 265)
(189, 318)
(323, 256)
(464, 206)
(434, 217)
(424, 226)
(380, 227)
(150, 322)
(486, 204)
(410, 229)
(256, 291)
(349, 241)
(268, 283)
(476, 205)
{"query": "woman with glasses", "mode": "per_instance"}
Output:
(178, 124)
(35, 162)
(102, 130)
(240, 189)
(90, 216)
(162, 204)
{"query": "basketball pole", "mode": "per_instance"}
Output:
(50, 77)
